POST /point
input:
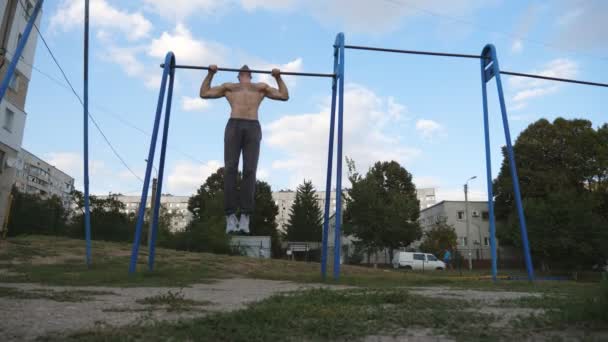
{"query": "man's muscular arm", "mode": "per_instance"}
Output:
(208, 92)
(280, 94)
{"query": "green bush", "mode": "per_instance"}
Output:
(31, 214)
(201, 236)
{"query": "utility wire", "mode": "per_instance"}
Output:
(81, 102)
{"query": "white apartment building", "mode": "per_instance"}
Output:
(13, 20)
(454, 214)
(35, 176)
(176, 205)
(426, 196)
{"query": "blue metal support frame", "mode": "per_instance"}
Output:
(161, 171)
(20, 47)
(330, 155)
(167, 71)
(338, 232)
(87, 207)
(490, 69)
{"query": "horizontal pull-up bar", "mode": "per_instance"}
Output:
(286, 73)
(459, 55)
(519, 74)
(412, 52)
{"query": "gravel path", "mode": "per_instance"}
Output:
(26, 319)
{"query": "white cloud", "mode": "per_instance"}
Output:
(517, 46)
(194, 104)
(385, 16)
(303, 138)
(187, 49)
(429, 129)
(263, 174)
(103, 16)
(251, 5)
(527, 89)
(582, 24)
(182, 9)
(102, 178)
(292, 66)
(351, 15)
(426, 182)
(126, 58)
(185, 177)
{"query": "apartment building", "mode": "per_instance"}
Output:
(36, 176)
(14, 19)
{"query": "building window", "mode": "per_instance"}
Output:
(486, 241)
(475, 213)
(463, 241)
(2, 155)
(485, 215)
(14, 83)
(460, 215)
(28, 11)
(9, 118)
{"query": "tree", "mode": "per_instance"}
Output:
(382, 209)
(563, 171)
(108, 219)
(305, 216)
(208, 206)
(440, 237)
(31, 214)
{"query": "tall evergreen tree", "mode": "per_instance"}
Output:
(305, 216)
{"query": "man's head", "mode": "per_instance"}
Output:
(245, 74)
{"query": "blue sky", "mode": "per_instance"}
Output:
(424, 112)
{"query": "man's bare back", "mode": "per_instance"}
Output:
(244, 97)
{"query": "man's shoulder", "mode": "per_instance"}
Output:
(260, 85)
(228, 85)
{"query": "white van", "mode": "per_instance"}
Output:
(417, 261)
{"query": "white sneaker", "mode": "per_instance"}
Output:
(231, 223)
(244, 223)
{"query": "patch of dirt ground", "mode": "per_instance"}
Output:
(27, 319)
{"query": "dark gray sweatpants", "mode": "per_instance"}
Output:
(241, 135)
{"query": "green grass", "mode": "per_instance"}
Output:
(382, 304)
(60, 261)
(346, 315)
(58, 296)
(317, 315)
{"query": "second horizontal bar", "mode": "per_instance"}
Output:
(567, 80)
(412, 52)
(255, 71)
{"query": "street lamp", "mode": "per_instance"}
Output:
(466, 206)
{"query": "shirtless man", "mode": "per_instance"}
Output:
(242, 133)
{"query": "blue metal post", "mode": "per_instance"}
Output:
(505, 120)
(338, 234)
(20, 47)
(484, 80)
(161, 169)
(330, 155)
(87, 209)
(144, 192)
